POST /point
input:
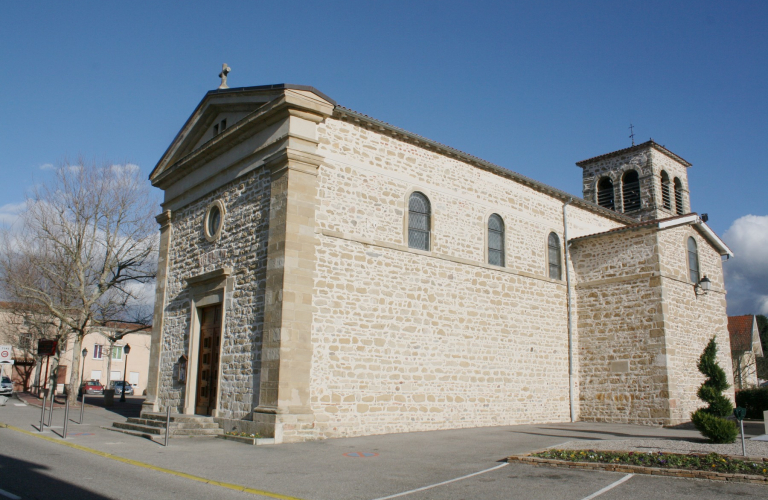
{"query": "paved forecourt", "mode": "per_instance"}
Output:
(442, 464)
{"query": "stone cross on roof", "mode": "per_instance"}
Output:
(223, 75)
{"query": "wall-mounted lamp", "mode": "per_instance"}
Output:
(703, 286)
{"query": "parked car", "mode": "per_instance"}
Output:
(117, 385)
(92, 387)
(6, 387)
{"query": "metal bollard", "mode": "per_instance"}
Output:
(66, 417)
(167, 425)
(42, 413)
(82, 408)
(743, 446)
(50, 411)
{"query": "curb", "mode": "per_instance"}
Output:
(247, 440)
(638, 469)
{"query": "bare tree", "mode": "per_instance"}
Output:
(81, 249)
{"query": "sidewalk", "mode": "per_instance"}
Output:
(384, 464)
(130, 408)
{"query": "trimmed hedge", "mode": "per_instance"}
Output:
(754, 400)
(711, 421)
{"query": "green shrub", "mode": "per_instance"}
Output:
(754, 400)
(717, 429)
(710, 421)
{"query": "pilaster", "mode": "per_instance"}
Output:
(153, 377)
(284, 397)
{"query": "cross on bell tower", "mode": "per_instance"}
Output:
(223, 75)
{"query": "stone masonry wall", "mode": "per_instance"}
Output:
(621, 343)
(406, 340)
(674, 170)
(242, 246)
(648, 163)
(691, 320)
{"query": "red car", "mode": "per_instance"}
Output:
(92, 387)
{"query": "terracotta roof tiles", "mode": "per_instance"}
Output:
(740, 332)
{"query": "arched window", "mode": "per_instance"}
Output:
(679, 197)
(553, 257)
(693, 260)
(605, 193)
(666, 198)
(630, 185)
(418, 221)
(496, 240)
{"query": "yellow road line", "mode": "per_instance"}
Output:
(229, 486)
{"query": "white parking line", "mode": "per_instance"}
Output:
(609, 487)
(9, 495)
(444, 482)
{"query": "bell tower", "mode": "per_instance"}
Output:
(645, 182)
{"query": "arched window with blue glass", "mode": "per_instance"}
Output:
(553, 257)
(496, 240)
(419, 221)
(693, 261)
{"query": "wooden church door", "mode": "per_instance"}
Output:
(208, 359)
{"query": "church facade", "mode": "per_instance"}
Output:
(325, 274)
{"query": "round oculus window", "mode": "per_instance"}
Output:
(213, 221)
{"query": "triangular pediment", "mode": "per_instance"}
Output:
(219, 111)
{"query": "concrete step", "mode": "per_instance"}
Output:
(144, 429)
(147, 422)
(175, 417)
(197, 432)
(174, 425)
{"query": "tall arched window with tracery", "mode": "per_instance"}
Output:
(496, 240)
(419, 223)
(679, 210)
(666, 197)
(605, 193)
(630, 191)
(553, 257)
(693, 260)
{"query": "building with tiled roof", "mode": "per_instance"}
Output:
(324, 273)
(745, 348)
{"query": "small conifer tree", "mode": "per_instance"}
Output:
(710, 421)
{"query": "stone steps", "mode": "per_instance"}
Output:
(152, 425)
(174, 425)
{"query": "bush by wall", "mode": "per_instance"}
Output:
(710, 421)
(754, 400)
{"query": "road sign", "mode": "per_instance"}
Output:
(6, 355)
(740, 413)
(46, 347)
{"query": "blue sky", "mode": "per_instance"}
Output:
(531, 86)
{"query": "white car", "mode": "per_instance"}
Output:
(6, 387)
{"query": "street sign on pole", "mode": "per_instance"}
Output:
(6, 355)
(46, 347)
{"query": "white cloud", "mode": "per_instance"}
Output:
(128, 168)
(47, 166)
(746, 275)
(9, 212)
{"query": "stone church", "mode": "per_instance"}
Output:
(324, 274)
